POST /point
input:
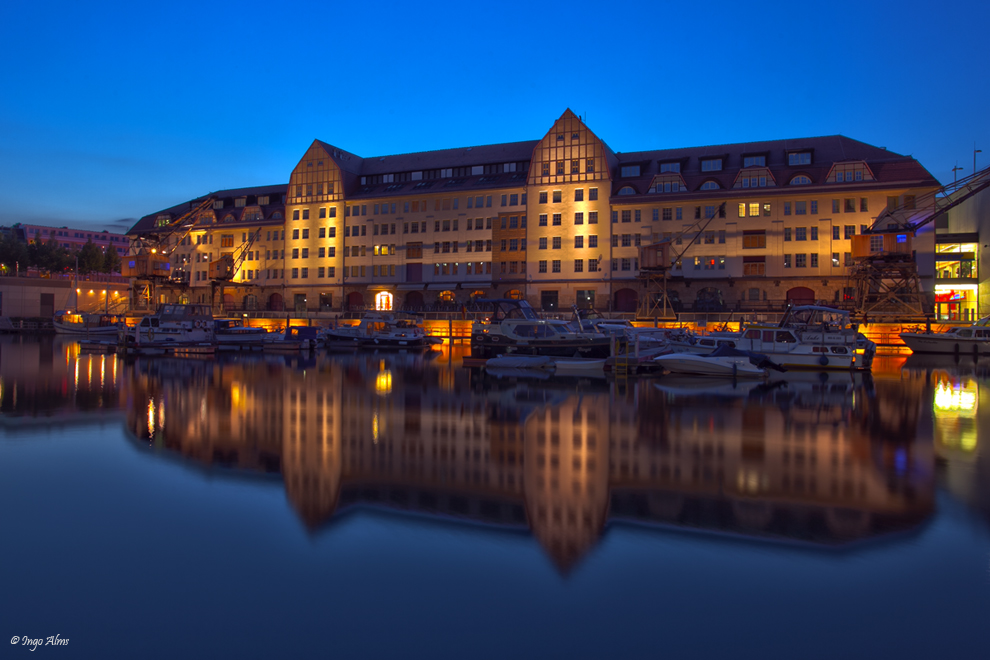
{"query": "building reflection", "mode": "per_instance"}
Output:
(826, 460)
(46, 380)
(958, 390)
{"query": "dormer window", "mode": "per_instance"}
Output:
(795, 158)
(800, 180)
(263, 200)
(754, 161)
(711, 165)
(710, 185)
(854, 172)
(626, 190)
(670, 167)
(240, 201)
(218, 204)
(629, 171)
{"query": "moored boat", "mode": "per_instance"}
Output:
(173, 330)
(514, 328)
(295, 339)
(723, 362)
(68, 322)
(232, 333)
(964, 340)
(379, 331)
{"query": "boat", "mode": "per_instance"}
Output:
(232, 333)
(173, 330)
(579, 366)
(295, 339)
(513, 327)
(377, 330)
(724, 361)
(962, 340)
(809, 337)
(68, 322)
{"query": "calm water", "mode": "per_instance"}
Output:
(397, 506)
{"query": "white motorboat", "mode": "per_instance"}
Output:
(172, 330)
(514, 328)
(964, 340)
(295, 339)
(232, 333)
(377, 331)
(810, 337)
(725, 362)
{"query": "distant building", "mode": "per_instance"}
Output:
(962, 262)
(70, 238)
(558, 221)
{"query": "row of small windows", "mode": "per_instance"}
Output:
(446, 173)
(561, 166)
(578, 195)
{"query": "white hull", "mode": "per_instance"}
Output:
(699, 365)
(578, 367)
(83, 331)
(945, 344)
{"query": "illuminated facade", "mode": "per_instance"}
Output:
(558, 221)
(962, 261)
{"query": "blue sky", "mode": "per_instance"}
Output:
(111, 111)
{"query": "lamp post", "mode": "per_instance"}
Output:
(975, 151)
(954, 175)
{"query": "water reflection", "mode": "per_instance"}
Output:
(827, 460)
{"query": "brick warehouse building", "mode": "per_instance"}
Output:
(557, 221)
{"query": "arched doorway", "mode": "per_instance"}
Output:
(625, 300)
(414, 300)
(800, 295)
(383, 301)
(250, 302)
(355, 300)
(445, 297)
(275, 302)
(514, 294)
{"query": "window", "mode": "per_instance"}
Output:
(543, 219)
(592, 194)
(543, 197)
(575, 166)
(627, 216)
(754, 266)
(800, 261)
(710, 185)
(670, 167)
(579, 265)
(801, 234)
(800, 208)
(579, 194)
(626, 240)
(555, 266)
(754, 239)
(556, 242)
(542, 266)
(850, 206)
(849, 231)
(814, 260)
(305, 253)
(667, 215)
(626, 264)
(589, 165)
(629, 170)
(800, 180)
(637, 216)
(592, 217)
(787, 208)
(864, 204)
(579, 218)
(593, 241)
(787, 233)
(848, 258)
(711, 165)
(814, 233)
(680, 213)
(835, 232)
(543, 242)
(709, 238)
(578, 242)
(799, 158)
(754, 161)
(557, 196)
(721, 236)
(560, 167)
(787, 261)
(835, 259)
(556, 219)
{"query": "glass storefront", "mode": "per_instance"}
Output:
(956, 277)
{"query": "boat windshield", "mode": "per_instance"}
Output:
(827, 317)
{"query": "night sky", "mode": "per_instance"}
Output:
(110, 111)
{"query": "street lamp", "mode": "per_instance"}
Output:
(975, 151)
(954, 175)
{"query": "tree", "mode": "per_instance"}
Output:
(13, 254)
(49, 256)
(111, 260)
(90, 258)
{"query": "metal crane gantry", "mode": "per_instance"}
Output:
(655, 263)
(223, 270)
(885, 276)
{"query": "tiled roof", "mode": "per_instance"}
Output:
(147, 223)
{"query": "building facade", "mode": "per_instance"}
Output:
(558, 221)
